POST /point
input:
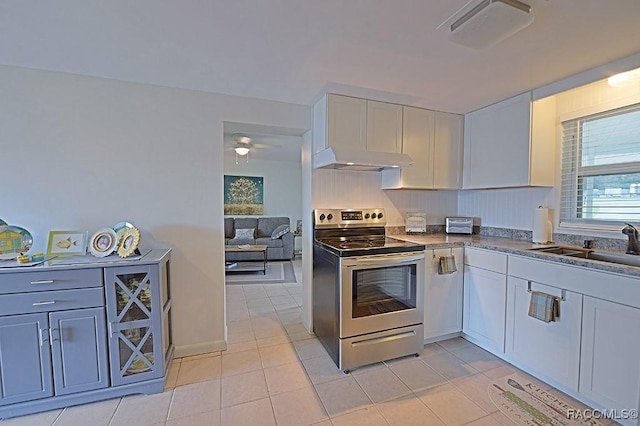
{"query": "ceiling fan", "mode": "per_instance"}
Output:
(242, 143)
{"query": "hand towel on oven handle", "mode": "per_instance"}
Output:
(447, 265)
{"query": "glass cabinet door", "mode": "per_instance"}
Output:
(133, 311)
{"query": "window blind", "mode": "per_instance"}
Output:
(601, 168)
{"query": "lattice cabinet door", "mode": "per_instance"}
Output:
(134, 316)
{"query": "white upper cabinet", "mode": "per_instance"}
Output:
(510, 144)
(340, 121)
(417, 142)
(433, 140)
(447, 152)
(384, 127)
(357, 124)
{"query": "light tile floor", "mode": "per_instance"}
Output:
(275, 373)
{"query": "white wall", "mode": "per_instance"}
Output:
(282, 184)
(353, 189)
(84, 153)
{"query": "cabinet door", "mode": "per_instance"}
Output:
(485, 294)
(417, 142)
(610, 357)
(496, 144)
(551, 351)
(79, 350)
(447, 154)
(134, 314)
(384, 127)
(25, 358)
(346, 122)
(442, 295)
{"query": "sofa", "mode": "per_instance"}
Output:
(274, 232)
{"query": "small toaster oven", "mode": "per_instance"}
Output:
(459, 225)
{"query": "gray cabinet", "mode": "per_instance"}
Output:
(135, 324)
(52, 353)
(79, 350)
(25, 358)
(71, 334)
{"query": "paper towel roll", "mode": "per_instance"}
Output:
(541, 225)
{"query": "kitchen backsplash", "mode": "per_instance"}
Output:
(609, 244)
(399, 230)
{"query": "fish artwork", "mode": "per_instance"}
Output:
(65, 244)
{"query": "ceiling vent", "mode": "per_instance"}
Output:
(490, 22)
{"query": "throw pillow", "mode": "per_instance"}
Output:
(244, 234)
(279, 231)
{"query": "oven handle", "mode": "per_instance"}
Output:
(383, 260)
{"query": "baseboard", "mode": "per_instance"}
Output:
(443, 337)
(200, 348)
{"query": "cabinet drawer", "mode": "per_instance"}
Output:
(27, 303)
(21, 282)
(485, 259)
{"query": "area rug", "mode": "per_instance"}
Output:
(525, 403)
(277, 273)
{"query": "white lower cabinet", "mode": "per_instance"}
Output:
(610, 359)
(485, 297)
(442, 295)
(550, 351)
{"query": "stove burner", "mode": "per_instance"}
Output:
(346, 245)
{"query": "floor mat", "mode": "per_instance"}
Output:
(527, 404)
(277, 273)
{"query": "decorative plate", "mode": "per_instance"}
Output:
(121, 227)
(14, 240)
(129, 241)
(103, 242)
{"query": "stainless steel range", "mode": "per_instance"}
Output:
(368, 289)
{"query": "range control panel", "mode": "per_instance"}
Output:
(338, 218)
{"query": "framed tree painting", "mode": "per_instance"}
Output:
(243, 195)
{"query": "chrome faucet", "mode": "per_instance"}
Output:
(632, 233)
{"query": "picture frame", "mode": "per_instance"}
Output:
(299, 226)
(243, 195)
(128, 243)
(63, 243)
(103, 242)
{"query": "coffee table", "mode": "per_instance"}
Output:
(247, 266)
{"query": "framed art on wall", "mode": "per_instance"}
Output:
(67, 243)
(243, 195)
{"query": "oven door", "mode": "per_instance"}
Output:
(381, 292)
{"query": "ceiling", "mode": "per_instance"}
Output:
(291, 50)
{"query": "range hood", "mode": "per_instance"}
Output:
(358, 160)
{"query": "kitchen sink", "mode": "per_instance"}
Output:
(621, 259)
(564, 250)
(579, 252)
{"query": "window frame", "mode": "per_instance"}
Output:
(572, 172)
